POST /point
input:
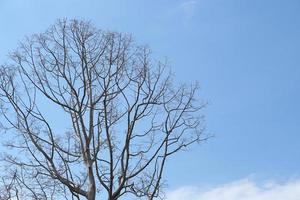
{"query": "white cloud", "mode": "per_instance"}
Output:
(241, 190)
(189, 8)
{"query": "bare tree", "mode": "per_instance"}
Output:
(125, 116)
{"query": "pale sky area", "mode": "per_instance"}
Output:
(244, 54)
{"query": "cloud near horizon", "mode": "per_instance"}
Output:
(240, 190)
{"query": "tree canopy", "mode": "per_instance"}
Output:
(125, 116)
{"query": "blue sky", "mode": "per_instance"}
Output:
(245, 55)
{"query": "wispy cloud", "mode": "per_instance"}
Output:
(241, 190)
(188, 8)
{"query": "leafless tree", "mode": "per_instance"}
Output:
(125, 116)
